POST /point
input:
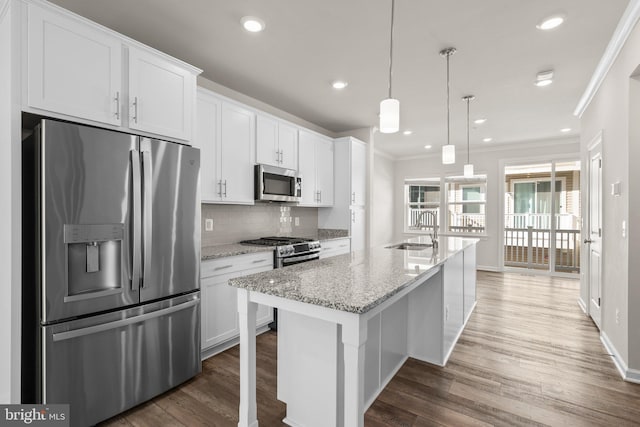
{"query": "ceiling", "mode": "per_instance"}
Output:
(308, 44)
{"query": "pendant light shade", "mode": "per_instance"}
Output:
(389, 115)
(448, 154)
(468, 168)
(449, 150)
(390, 107)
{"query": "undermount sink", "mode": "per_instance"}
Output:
(411, 246)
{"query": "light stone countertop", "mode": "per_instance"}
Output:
(354, 282)
(221, 251)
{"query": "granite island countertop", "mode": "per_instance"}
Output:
(354, 282)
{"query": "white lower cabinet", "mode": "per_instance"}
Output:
(329, 248)
(219, 300)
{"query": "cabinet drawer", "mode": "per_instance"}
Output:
(236, 264)
(335, 247)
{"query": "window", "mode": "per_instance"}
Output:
(422, 203)
(466, 204)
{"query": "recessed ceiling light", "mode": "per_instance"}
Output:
(407, 132)
(487, 140)
(479, 121)
(551, 22)
(252, 24)
(339, 84)
(544, 78)
(427, 147)
(565, 130)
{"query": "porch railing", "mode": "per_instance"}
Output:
(530, 248)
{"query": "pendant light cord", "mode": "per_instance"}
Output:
(468, 100)
(448, 106)
(393, 2)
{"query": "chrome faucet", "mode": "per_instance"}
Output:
(434, 233)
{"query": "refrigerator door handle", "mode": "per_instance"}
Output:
(136, 219)
(61, 336)
(146, 212)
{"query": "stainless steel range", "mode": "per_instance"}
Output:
(289, 250)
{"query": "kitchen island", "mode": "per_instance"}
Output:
(348, 323)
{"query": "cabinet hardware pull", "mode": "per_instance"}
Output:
(342, 246)
(353, 216)
(260, 260)
(117, 99)
(135, 109)
(220, 188)
(588, 241)
(222, 267)
(320, 196)
(281, 156)
(353, 197)
(225, 188)
(277, 156)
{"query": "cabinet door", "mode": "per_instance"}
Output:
(74, 68)
(358, 228)
(206, 138)
(358, 173)
(219, 311)
(161, 95)
(267, 151)
(264, 315)
(324, 171)
(288, 145)
(237, 140)
(307, 168)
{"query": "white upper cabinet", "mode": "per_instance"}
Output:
(76, 70)
(324, 171)
(237, 139)
(206, 136)
(316, 169)
(276, 143)
(161, 95)
(74, 67)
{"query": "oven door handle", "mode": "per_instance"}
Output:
(295, 259)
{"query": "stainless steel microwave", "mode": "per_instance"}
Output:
(274, 184)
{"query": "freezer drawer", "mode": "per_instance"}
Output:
(106, 364)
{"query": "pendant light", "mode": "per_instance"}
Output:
(468, 168)
(390, 107)
(449, 150)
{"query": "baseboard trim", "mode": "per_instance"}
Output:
(488, 268)
(630, 375)
(217, 349)
(583, 306)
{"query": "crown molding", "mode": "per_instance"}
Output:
(620, 36)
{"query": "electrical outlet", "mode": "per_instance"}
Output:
(297, 221)
(208, 224)
(617, 316)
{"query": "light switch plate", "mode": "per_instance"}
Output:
(616, 189)
(208, 224)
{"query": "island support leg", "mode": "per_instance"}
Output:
(248, 414)
(354, 337)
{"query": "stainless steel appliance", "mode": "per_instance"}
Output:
(111, 267)
(273, 184)
(289, 250)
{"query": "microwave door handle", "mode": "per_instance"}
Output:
(146, 211)
(135, 219)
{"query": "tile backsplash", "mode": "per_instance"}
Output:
(232, 223)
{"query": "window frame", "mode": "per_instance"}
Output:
(479, 180)
(429, 182)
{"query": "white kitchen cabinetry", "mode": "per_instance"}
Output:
(161, 95)
(219, 307)
(316, 161)
(75, 70)
(225, 136)
(334, 247)
(74, 67)
(276, 142)
(349, 208)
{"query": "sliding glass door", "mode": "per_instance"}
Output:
(541, 219)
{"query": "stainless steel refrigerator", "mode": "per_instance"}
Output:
(111, 263)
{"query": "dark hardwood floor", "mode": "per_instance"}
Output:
(528, 356)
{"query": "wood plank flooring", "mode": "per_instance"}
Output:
(528, 357)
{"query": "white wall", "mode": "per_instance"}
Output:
(615, 110)
(486, 160)
(382, 211)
